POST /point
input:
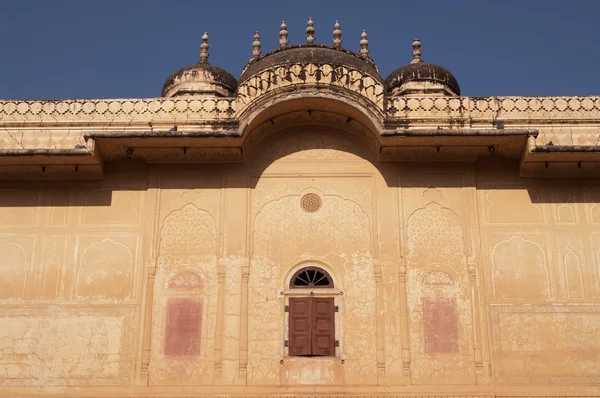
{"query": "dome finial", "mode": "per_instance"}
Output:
(310, 31)
(337, 35)
(204, 49)
(364, 45)
(283, 35)
(416, 44)
(256, 46)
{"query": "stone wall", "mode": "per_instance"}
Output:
(458, 279)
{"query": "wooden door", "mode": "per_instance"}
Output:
(311, 326)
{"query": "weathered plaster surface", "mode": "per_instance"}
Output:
(74, 255)
(168, 275)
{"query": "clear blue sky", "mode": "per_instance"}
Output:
(125, 48)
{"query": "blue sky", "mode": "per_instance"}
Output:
(54, 49)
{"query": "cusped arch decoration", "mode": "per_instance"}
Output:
(438, 278)
(311, 277)
(306, 68)
(184, 280)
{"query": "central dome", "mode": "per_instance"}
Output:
(310, 77)
(318, 54)
(311, 53)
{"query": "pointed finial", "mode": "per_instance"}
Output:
(283, 35)
(310, 31)
(337, 35)
(256, 46)
(416, 44)
(204, 49)
(364, 45)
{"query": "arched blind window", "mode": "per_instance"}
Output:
(311, 277)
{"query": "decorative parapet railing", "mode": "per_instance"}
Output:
(285, 76)
(119, 112)
(116, 112)
(490, 109)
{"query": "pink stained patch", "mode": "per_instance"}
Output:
(440, 325)
(184, 326)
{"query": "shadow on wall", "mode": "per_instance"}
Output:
(491, 173)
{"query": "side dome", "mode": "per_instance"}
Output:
(200, 79)
(420, 77)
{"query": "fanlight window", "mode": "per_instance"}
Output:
(311, 277)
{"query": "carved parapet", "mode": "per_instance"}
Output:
(294, 77)
(399, 110)
(115, 112)
(310, 71)
(535, 108)
(473, 110)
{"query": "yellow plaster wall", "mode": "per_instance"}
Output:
(88, 270)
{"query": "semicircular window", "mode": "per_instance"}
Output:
(311, 277)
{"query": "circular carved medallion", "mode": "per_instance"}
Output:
(310, 203)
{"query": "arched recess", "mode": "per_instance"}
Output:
(185, 305)
(357, 122)
(439, 298)
(283, 233)
(328, 129)
(340, 102)
(329, 148)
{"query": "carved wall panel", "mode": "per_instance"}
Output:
(59, 209)
(54, 265)
(338, 234)
(592, 200)
(106, 267)
(16, 269)
(565, 206)
(573, 268)
(513, 205)
(531, 263)
(312, 145)
(438, 291)
(185, 291)
(111, 207)
(68, 290)
(17, 207)
(546, 344)
(520, 267)
(66, 346)
(592, 242)
(541, 256)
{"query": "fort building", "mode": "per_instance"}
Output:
(309, 228)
